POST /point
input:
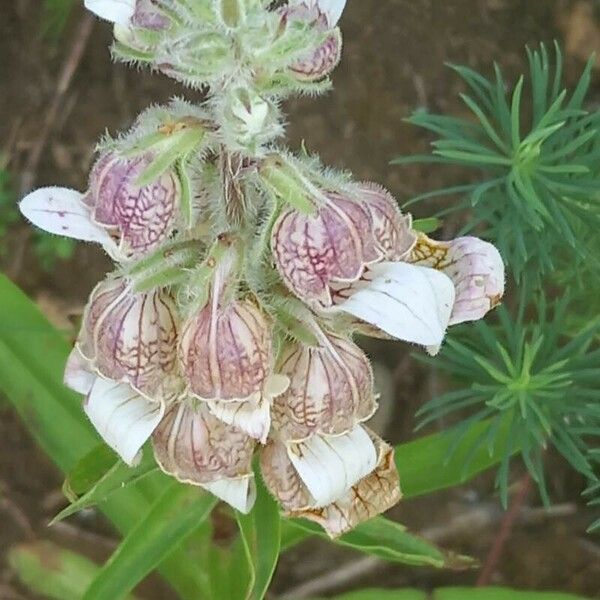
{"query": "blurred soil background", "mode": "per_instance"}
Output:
(393, 62)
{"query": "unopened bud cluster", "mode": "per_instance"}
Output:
(242, 272)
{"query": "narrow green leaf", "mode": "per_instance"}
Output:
(390, 541)
(456, 594)
(170, 521)
(260, 533)
(119, 476)
(499, 594)
(376, 594)
(424, 467)
(51, 571)
(88, 471)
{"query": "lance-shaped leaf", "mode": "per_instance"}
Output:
(260, 534)
(391, 541)
(53, 572)
(169, 522)
(117, 476)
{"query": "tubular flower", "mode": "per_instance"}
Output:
(122, 416)
(333, 246)
(331, 389)
(227, 360)
(197, 448)
(130, 337)
(336, 481)
(474, 266)
(393, 286)
(128, 220)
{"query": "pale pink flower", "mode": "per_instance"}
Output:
(129, 336)
(331, 389)
(336, 481)
(227, 360)
(129, 220)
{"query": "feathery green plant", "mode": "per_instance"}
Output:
(528, 376)
(535, 185)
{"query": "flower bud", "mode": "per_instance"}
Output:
(226, 351)
(313, 252)
(130, 337)
(249, 120)
(330, 392)
(141, 216)
(321, 61)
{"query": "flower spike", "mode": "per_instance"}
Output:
(242, 272)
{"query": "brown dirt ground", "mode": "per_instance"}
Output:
(393, 62)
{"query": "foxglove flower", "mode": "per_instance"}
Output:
(189, 443)
(336, 481)
(393, 289)
(323, 15)
(195, 447)
(123, 417)
(331, 389)
(130, 337)
(333, 246)
(474, 266)
(226, 355)
(128, 220)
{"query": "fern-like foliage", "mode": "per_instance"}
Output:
(532, 385)
(535, 153)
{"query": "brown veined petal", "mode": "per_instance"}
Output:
(371, 496)
(318, 471)
(474, 266)
(131, 336)
(313, 252)
(322, 61)
(143, 216)
(195, 447)
(391, 229)
(226, 352)
(331, 389)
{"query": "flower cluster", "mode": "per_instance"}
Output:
(243, 272)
